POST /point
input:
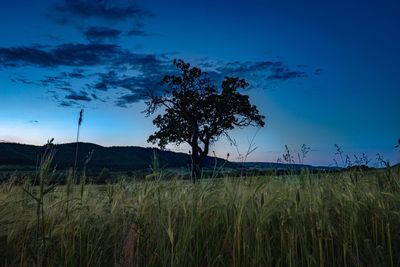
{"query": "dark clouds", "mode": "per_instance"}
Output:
(14, 56)
(111, 80)
(284, 74)
(75, 55)
(102, 66)
(67, 10)
(128, 71)
(82, 96)
(261, 71)
(93, 18)
(23, 79)
(259, 74)
(85, 72)
(76, 74)
(137, 86)
(55, 81)
(248, 66)
(127, 99)
(68, 103)
(136, 32)
(130, 74)
(101, 34)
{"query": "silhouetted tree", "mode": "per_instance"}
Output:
(196, 112)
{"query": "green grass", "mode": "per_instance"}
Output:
(346, 219)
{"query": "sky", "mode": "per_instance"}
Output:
(322, 72)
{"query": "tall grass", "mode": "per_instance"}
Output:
(77, 141)
(305, 220)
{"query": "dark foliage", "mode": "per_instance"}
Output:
(196, 112)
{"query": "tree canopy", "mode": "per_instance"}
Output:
(195, 111)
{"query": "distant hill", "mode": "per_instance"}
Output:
(118, 158)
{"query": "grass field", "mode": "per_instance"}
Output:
(337, 219)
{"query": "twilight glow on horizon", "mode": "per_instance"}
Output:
(322, 72)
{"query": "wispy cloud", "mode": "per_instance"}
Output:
(127, 99)
(261, 71)
(75, 74)
(131, 74)
(67, 10)
(284, 74)
(89, 71)
(101, 34)
(73, 55)
(78, 97)
(318, 71)
(138, 86)
(23, 79)
(56, 81)
(125, 16)
(68, 104)
(247, 66)
(136, 32)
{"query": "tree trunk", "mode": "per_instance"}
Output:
(196, 171)
(195, 164)
(198, 158)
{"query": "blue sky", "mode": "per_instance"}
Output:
(322, 73)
